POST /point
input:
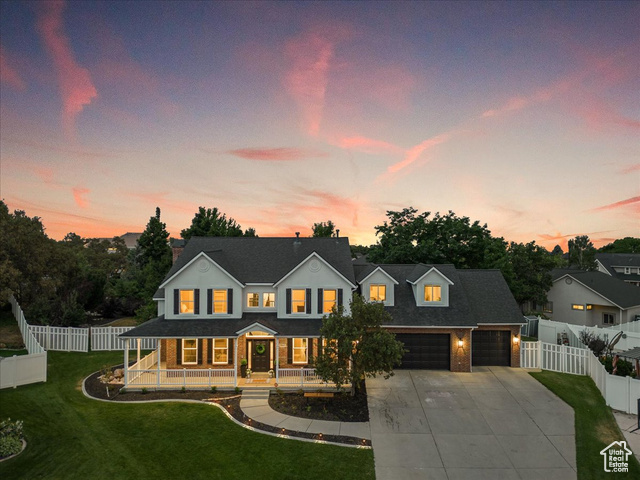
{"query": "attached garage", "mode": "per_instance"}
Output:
(491, 348)
(426, 351)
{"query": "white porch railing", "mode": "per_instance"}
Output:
(619, 392)
(144, 364)
(176, 378)
(298, 376)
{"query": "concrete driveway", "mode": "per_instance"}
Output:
(494, 423)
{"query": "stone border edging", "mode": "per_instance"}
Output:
(24, 446)
(248, 427)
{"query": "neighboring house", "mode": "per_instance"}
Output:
(624, 266)
(130, 240)
(262, 299)
(592, 299)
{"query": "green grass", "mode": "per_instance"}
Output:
(11, 353)
(70, 436)
(595, 427)
(529, 339)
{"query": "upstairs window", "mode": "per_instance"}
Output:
(577, 306)
(432, 293)
(219, 301)
(377, 293)
(627, 270)
(328, 300)
(187, 301)
(298, 301)
(268, 300)
(189, 351)
(253, 299)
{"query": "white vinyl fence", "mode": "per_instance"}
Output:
(65, 339)
(106, 338)
(23, 369)
(621, 393)
(550, 331)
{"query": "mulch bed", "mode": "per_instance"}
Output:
(230, 401)
(341, 408)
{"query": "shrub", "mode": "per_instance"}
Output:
(11, 435)
(624, 368)
(214, 389)
(144, 390)
(237, 390)
(597, 346)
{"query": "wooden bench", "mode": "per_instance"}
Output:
(319, 394)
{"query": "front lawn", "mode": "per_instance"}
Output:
(595, 427)
(70, 436)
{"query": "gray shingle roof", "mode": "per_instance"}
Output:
(476, 296)
(224, 327)
(611, 260)
(265, 259)
(621, 293)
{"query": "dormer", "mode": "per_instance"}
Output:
(431, 288)
(378, 286)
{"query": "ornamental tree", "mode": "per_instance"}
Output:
(356, 345)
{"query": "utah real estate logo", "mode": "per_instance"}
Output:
(616, 457)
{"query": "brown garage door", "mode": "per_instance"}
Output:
(426, 351)
(491, 347)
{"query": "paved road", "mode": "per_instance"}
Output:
(494, 423)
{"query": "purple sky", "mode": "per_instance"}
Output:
(523, 115)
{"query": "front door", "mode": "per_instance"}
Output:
(261, 356)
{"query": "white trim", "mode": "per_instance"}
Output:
(314, 254)
(378, 285)
(213, 350)
(432, 326)
(383, 271)
(254, 284)
(182, 362)
(427, 273)
(603, 267)
(293, 351)
(256, 326)
(505, 324)
(201, 254)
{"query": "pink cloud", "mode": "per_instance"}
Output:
(369, 145)
(282, 154)
(631, 169)
(79, 195)
(599, 115)
(8, 74)
(633, 201)
(414, 153)
(75, 83)
(310, 55)
(46, 174)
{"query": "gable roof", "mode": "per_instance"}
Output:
(266, 259)
(367, 272)
(422, 270)
(610, 288)
(475, 297)
(313, 255)
(611, 261)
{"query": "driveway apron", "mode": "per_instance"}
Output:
(497, 422)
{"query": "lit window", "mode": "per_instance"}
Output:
(219, 301)
(300, 350)
(577, 306)
(329, 300)
(608, 318)
(187, 301)
(220, 350)
(253, 299)
(548, 307)
(589, 306)
(298, 299)
(189, 351)
(432, 293)
(378, 293)
(268, 300)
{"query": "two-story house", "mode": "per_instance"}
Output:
(229, 301)
(623, 266)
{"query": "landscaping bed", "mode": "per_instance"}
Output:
(342, 407)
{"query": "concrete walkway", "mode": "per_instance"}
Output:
(496, 422)
(255, 405)
(628, 422)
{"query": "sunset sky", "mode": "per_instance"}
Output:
(523, 115)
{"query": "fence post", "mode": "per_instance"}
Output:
(15, 371)
(301, 377)
(48, 334)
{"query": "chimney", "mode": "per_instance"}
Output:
(297, 240)
(176, 253)
(337, 233)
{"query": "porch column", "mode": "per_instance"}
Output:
(138, 341)
(277, 361)
(235, 361)
(159, 356)
(126, 362)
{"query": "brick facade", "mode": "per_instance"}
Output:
(515, 347)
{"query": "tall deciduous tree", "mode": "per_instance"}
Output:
(527, 270)
(324, 229)
(622, 245)
(582, 253)
(210, 222)
(409, 237)
(357, 346)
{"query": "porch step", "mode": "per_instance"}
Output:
(257, 394)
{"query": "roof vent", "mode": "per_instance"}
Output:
(337, 233)
(297, 240)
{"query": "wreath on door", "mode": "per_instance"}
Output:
(260, 348)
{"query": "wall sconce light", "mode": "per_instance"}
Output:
(460, 343)
(516, 339)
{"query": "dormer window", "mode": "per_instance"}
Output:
(627, 270)
(187, 301)
(268, 300)
(253, 299)
(377, 293)
(432, 293)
